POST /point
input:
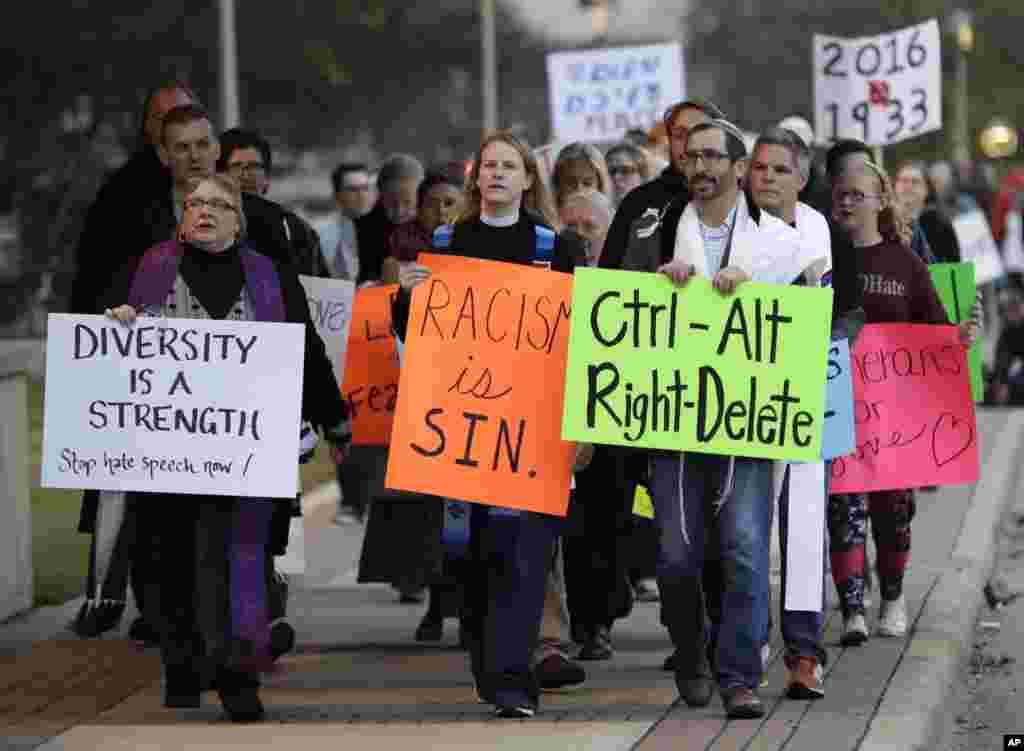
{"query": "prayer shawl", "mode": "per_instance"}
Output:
(771, 252)
(111, 552)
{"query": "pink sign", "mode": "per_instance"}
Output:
(913, 411)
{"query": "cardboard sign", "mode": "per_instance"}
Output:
(881, 89)
(480, 400)
(839, 431)
(330, 307)
(371, 367)
(955, 284)
(173, 405)
(687, 369)
(913, 409)
(977, 245)
(597, 95)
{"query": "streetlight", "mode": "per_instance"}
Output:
(962, 28)
(999, 139)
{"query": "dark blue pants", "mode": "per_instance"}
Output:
(509, 559)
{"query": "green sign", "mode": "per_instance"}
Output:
(955, 284)
(685, 368)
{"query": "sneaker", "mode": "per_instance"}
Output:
(803, 678)
(556, 671)
(514, 712)
(855, 631)
(646, 590)
(742, 704)
(347, 516)
(892, 620)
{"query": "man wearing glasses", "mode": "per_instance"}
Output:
(723, 237)
(354, 199)
(246, 156)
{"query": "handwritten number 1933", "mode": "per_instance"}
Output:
(860, 112)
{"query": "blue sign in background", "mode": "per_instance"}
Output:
(838, 432)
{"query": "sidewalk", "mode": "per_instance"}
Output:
(359, 677)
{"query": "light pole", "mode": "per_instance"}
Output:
(229, 109)
(489, 56)
(960, 26)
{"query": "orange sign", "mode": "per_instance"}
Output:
(482, 385)
(371, 367)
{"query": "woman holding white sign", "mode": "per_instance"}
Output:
(509, 217)
(209, 600)
(897, 288)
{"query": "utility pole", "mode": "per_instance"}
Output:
(489, 56)
(229, 109)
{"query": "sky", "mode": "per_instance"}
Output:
(565, 21)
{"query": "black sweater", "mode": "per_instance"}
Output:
(515, 244)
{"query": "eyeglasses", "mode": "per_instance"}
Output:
(855, 197)
(242, 168)
(210, 203)
(355, 188)
(710, 156)
(624, 170)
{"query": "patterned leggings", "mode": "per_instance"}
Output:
(891, 513)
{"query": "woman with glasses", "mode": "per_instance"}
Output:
(897, 288)
(209, 553)
(628, 168)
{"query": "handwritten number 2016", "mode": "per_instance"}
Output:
(869, 59)
(860, 112)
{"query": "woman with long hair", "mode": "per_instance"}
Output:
(917, 199)
(897, 288)
(579, 167)
(509, 217)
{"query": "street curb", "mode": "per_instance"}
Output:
(912, 713)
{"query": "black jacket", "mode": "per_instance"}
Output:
(653, 195)
(373, 231)
(280, 234)
(940, 235)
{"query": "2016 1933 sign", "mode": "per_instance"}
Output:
(880, 90)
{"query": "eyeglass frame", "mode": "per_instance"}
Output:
(243, 168)
(856, 197)
(210, 203)
(708, 156)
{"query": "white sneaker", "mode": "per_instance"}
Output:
(766, 657)
(855, 631)
(892, 620)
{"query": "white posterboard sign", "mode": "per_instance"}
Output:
(330, 307)
(597, 95)
(882, 89)
(977, 245)
(1013, 242)
(173, 405)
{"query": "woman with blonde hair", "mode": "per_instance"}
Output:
(579, 167)
(897, 288)
(509, 217)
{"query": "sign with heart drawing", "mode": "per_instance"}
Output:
(913, 411)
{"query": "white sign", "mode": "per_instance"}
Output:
(330, 307)
(596, 96)
(976, 244)
(173, 405)
(880, 90)
(1013, 242)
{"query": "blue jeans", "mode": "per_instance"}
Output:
(743, 529)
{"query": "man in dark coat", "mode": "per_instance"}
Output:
(397, 182)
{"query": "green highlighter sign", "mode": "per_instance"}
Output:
(653, 365)
(955, 284)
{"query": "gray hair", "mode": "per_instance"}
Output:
(790, 140)
(399, 167)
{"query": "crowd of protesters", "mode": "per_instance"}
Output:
(188, 228)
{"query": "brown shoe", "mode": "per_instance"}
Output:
(742, 704)
(803, 678)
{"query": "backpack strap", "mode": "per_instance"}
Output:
(544, 251)
(442, 239)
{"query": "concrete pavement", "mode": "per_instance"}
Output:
(358, 676)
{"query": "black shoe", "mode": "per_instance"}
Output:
(182, 689)
(515, 712)
(412, 596)
(429, 630)
(670, 662)
(282, 639)
(142, 631)
(693, 681)
(598, 646)
(742, 704)
(96, 617)
(555, 671)
(242, 704)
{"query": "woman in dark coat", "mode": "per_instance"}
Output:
(208, 598)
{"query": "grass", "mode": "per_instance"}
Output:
(59, 551)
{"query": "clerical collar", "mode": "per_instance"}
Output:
(500, 221)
